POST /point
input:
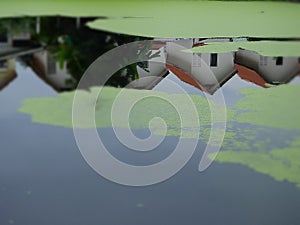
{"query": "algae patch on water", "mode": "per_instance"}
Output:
(265, 48)
(58, 110)
(187, 19)
(265, 137)
(282, 164)
(269, 142)
(276, 107)
(172, 18)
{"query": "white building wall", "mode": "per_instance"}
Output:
(209, 75)
(266, 66)
(53, 73)
(156, 68)
(177, 57)
(273, 73)
(248, 58)
(198, 65)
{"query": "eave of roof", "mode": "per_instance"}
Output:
(185, 77)
(9, 77)
(250, 75)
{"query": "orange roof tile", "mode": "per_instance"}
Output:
(250, 75)
(185, 77)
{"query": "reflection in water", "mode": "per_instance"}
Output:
(16, 33)
(207, 71)
(258, 136)
(68, 48)
(274, 70)
(60, 49)
(7, 72)
(71, 191)
(52, 72)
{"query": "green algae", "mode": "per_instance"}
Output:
(276, 107)
(271, 151)
(172, 18)
(188, 19)
(181, 19)
(247, 137)
(262, 144)
(282, 164)
(265, 48)
(58, 110)
(266, 133)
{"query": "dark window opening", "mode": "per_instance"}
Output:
(3, 64)
(279, 61)
(3, 37)
(214, 59)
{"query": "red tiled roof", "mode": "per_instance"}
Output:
(198, 44)
(250, 75)
(185, 77)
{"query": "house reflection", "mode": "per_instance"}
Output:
(7, 72)
(209, 71)
(250, 75)
(153, 71)
(50, 71)
(206, 72)
(14, 44)
(10, 39)
(64, 49)
(273, 70)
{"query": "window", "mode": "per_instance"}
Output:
(279, 61)
(3, 37)
(3, 64)
(214, 59)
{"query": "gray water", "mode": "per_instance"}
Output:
(44, 180)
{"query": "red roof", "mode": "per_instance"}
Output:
(184, 76)
(250, 75)
(198, 44)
